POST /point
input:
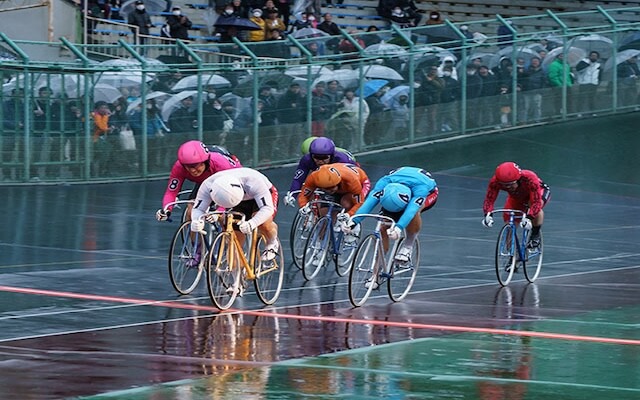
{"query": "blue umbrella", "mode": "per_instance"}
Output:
(372, 86)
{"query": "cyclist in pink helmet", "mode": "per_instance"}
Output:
(525, 192)
(196, 162)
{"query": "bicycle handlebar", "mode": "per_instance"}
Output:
(381, 218)
(517, 213)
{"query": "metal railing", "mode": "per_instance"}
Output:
(164, 90)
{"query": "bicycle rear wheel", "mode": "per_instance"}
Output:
(223, 278)
(403, 275)
(269, 274)
(534, 262)
(363, 277)
(506, 255)
(300, 229)
(186, 259)
(346, 251)
(316, 250)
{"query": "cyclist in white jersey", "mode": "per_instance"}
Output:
(247, 191)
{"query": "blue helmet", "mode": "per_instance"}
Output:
(395, 197)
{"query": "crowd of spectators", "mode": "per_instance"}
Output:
(537, 88)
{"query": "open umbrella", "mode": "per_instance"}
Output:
(239, 23)
(173, 103)
(594, 42)
(385, 49)
(382, 72)
(429, 50)
(107, 93)
(630, 41)
(621, 57)
(122, 78)
(309, 33)
(574, 55)
(136, 103)
(523, 52)
(277, 80)
(393, 94)
(301, 70)
(371, 87)
(347, 78)
(101, 92)
(191, 82)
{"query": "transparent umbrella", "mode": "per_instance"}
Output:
(309, 33)
(621, 57)
(173, 103)
(347, 78)
(594, 42)
(101, 92)
(153, 95)
(385, 49)
(523, 52)
(393, 94)
(574, 55)
(382, 72)
(191, 82)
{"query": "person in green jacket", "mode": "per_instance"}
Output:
(559, 75)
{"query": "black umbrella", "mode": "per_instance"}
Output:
(241, 24)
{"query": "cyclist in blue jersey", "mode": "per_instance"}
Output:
(322, 151)
(403, 194)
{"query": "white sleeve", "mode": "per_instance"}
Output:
(261, 186)
(203, 201)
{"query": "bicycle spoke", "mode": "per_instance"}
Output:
(363, 277)
(269, 275)
(506, 256)
(223, 278)
(186, 259)
(403, 275)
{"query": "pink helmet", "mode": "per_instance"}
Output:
(508, 172)
(193, 152)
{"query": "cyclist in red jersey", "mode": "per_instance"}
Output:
(525, 192)
(196, 162)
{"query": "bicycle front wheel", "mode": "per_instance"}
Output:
(363, 277)
(224, 271)
(506, 255)
(316, 251)
(402, 276)
(534, 262)
(300, 229)
(346, 251)
(269, 274)
(186, 259)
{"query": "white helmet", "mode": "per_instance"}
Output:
(226, 191)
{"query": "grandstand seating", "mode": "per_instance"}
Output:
(360, 14)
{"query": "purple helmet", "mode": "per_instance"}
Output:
(322, 146)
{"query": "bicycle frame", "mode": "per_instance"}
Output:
(235, 242)
(317, 248)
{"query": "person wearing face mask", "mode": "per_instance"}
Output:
(179, 24)
(256, 18)
(141, 19)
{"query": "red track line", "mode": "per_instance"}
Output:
(450, 328)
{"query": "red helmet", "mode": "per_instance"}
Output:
(508, 172)
(193, 152)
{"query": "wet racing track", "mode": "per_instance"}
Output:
(87, 309)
